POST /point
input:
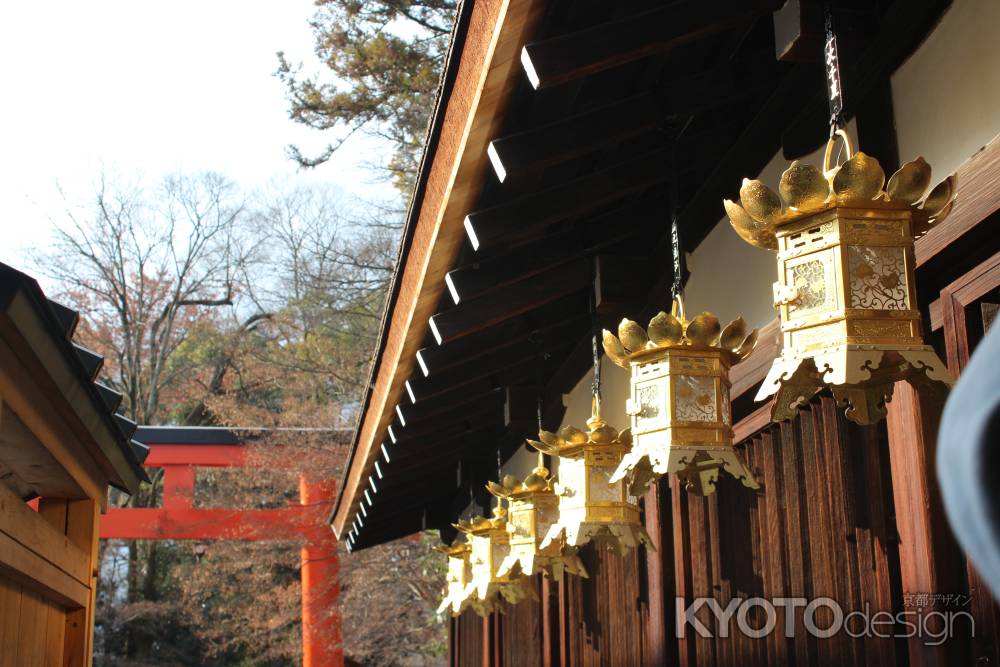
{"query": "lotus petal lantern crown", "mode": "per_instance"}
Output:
(533, 508)
(846, 292)
(488, 546)
(591, 506)
(679, 405)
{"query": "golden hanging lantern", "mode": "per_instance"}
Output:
(591, 506)
(488, 545)
(679, 405)
(532, 509)
(459, 574)
(846, 294)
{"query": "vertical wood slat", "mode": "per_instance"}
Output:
(82, 522)
(682, 569)
(10, 608)
(774, 538)
(520, 633)
(700, 576)
(795, 526)
(877, 543)
(798, 537)
(550, 623)
(32, 624)
(839, 482)
(55, 633)
(467, 648)
(564, 629)
(930, 561)
(659, 576)
(487, 645)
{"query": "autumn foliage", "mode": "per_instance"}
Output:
(256, 310)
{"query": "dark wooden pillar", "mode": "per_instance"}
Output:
(660, 576)
(682, 568)
(550, 622)
(930, 560)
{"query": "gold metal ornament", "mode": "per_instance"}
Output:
(533, 508)
(679, 405)
(489, 544)
(591, 506)
(846, 293)
(459, 575)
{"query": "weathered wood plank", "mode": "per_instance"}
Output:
(20, 564)
(32, 625)
(10, 612)
(929, 558)
(19, 523)
(55, 636)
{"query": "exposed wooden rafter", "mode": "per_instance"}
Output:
(521, 297)
(506, 222)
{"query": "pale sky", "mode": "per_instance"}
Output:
(145, 89)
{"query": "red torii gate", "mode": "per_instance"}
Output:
(179, 451)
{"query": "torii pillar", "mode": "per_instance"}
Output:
(306, 523)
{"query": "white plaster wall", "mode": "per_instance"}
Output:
(946, 97)
(614, 391)
(522, 462)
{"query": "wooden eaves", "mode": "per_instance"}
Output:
(60, 433)
(481, 72)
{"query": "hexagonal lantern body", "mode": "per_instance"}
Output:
(489, 544)
(531, 516)
(457, 579)
(588, 494)
(846, 293)
(591, 506)
(681, 418)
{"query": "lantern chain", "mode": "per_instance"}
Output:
(499, 464)
(595, 386)
(834, 86)
(676, 247)
(543, 357)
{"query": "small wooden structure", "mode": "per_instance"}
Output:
(61, 445)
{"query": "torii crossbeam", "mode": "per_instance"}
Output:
(180, 451)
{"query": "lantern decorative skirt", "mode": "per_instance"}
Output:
(489, 545)
(458, 577)
(679, 406)
(846, 293)
(532, 509)
(591, 506)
